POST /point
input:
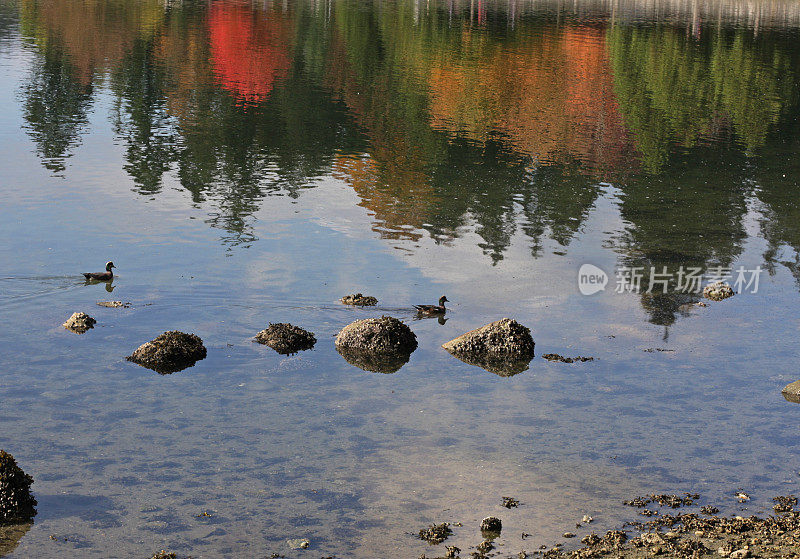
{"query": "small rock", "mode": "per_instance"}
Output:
(299, 543)
(491, 524)
(568, 535)
(652, 539)
(286, 338)
(740, 553)
(435, 533)
(359, 300)
(485, 546)
(79, 322)
(452, 551)
(718, 291)
(586, 519)
(170, 352)
(510, 502)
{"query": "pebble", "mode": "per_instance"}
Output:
(300, 543)
(586, 519)
(569, 535)
(740, 553)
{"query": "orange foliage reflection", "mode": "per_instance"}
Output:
(249, 49)
(552, 98)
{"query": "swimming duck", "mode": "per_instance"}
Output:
(429, 310)
(108, 275)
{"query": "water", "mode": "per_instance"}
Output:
(251, 163)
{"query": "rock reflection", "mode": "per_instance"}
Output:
(374, 362)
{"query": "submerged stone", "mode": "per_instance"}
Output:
(170, 352)
(17, 505)
(359, 300)
(79, 323)
(504, 347)
(718, 291)
(11, 535)
(562, 359)
(286, 338)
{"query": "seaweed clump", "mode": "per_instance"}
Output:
(79, 323)
(286, 338)
(562, 359)
(17, 505)
(359, 300)
(435, 533)
(504, 347)
(170, 352)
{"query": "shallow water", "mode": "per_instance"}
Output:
(251, 163)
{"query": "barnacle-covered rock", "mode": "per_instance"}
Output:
(380, 335)
(359, 300)
(376, 344)
(79, 323)
(286, 338)
(17, 505)
(504, 347)
(718, 291)
(170, 352)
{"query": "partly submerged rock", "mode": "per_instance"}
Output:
(491, 526)
(17, 505)
(435, 533)
(359, 300)
(504, 347)
(718, 291)
(562, 359)
(79, 322)
(376, 344)
(379, 335)
(114, 304)
(792, 392)
(286, 338)
(170, 352)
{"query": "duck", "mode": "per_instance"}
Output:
(432, 310)
(108, 275)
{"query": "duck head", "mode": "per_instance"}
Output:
(443, 300)
(109, 265)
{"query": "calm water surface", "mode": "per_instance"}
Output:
(251, 163)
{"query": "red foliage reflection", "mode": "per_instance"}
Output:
(249, 49)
